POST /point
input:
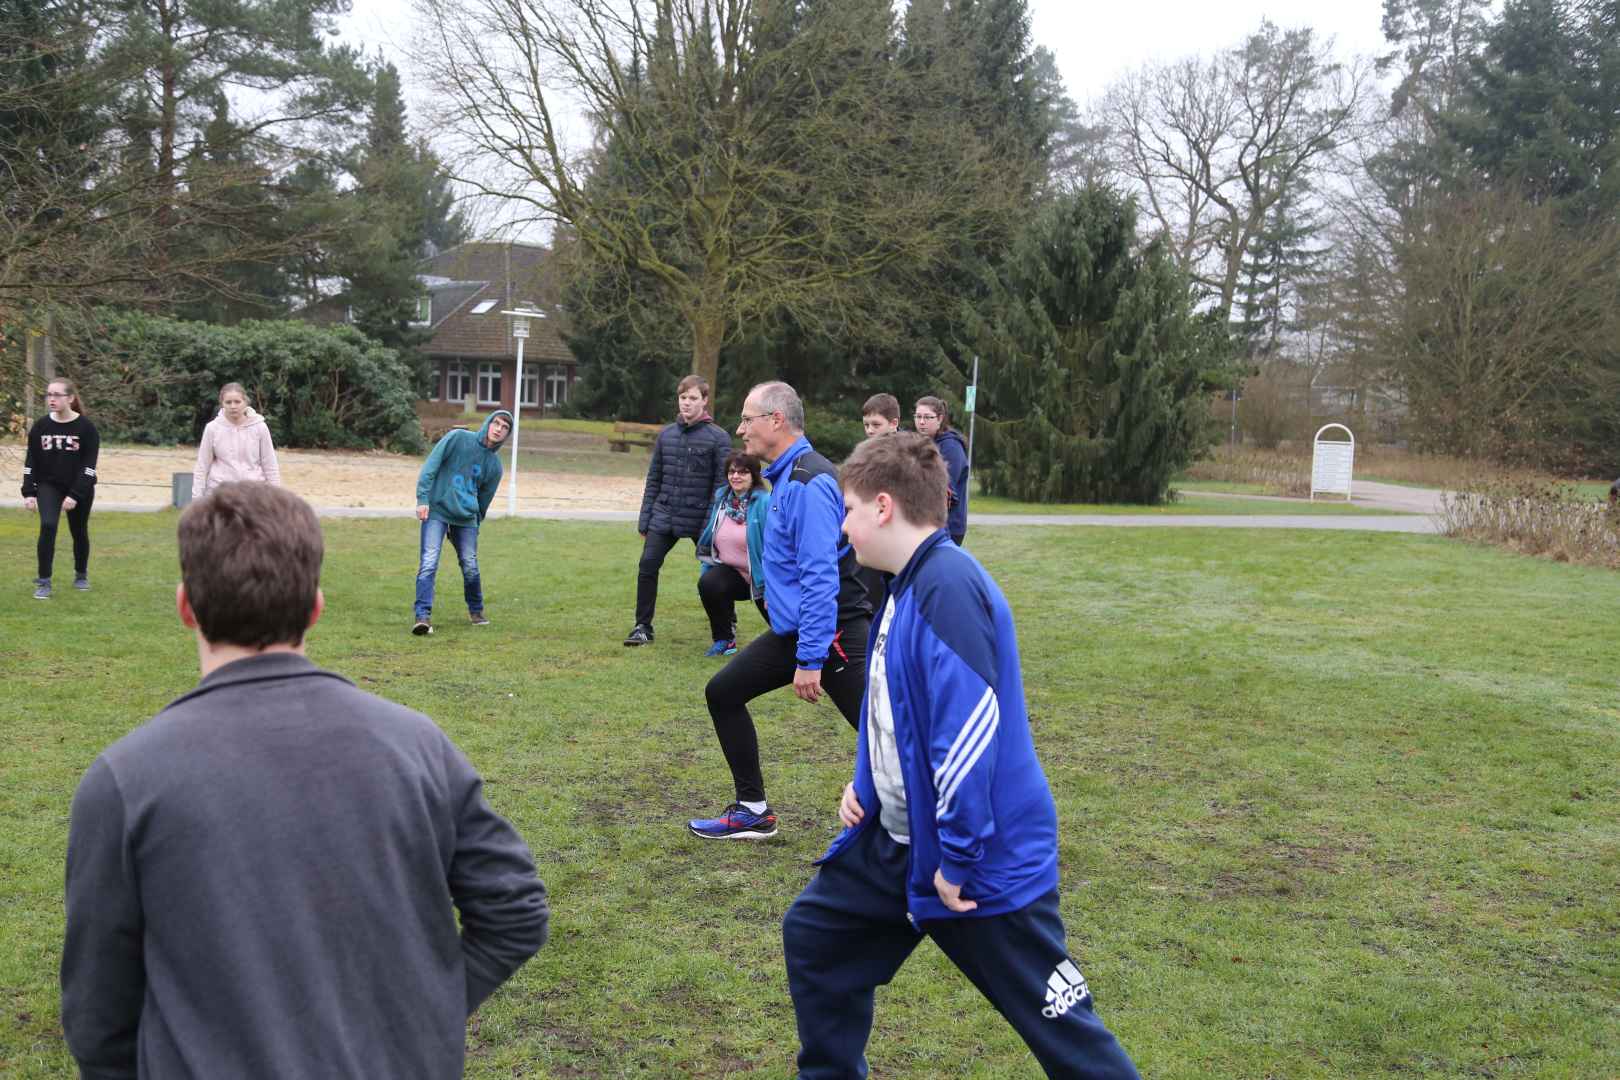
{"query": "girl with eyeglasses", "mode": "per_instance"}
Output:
(59, 476)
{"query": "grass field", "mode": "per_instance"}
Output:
(1331, 805)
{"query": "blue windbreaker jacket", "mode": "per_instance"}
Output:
(801, 556)
(759, 508)
(977, 800)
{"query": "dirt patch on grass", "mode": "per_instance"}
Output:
(359, 479)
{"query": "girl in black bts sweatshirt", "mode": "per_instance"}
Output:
(59, 475)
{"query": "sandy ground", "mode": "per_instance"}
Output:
(331, 479)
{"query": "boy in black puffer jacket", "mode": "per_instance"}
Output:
(688, 464)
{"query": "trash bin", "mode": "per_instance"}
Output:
(180, 485)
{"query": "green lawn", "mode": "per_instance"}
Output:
(1332, 805)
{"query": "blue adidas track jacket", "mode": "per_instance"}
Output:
(979, 805)
(801, 555)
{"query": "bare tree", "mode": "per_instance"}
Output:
(750, 157)
(1212, 145)
(1499, 322)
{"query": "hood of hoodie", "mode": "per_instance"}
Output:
(249, 418)
(483, 432)
(951, 434)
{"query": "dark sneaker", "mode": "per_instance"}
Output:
(42, 588)
(81, 583)
(478, 618)
(722, 648)
(422, 628)
(737, 823)
(641, 635)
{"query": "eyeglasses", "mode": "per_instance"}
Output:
(925, 416)
(746, 419)
(57, 393)
(738, 472)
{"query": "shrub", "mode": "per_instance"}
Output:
(156, 380)
(1536, 519)
(1271, 410)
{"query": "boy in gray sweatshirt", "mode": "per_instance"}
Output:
(264, 880)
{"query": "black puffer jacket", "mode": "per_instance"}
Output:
(688, 463)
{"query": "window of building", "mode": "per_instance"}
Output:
(457, 380)
(489, 384)
(424, 311)
(531, 386)
(556, 386)
(482, 306)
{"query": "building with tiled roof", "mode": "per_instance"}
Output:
(472, 351)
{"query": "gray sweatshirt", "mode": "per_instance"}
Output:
(264, 881)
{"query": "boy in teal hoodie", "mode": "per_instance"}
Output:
(453, 493)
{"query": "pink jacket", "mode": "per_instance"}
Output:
(234, 452)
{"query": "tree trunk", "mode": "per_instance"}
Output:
(708, 331)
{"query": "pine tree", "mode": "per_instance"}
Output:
(1541, 111)
(1096, 371)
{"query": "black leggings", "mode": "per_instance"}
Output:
(765, 664)
(50, 515)
(720, 588)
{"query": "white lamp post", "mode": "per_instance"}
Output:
(520, 332)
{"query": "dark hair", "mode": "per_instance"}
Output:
(905, 465)
(885, 405)
(250, 558)
(747, 461)
(691, 381)
(74, 403)
(939, 408)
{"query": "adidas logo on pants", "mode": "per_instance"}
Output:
(1065, 988)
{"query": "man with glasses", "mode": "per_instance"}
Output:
(815, 600)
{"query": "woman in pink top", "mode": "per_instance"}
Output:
(730, 548)
(235, 446)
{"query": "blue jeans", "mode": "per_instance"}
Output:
(465, 540)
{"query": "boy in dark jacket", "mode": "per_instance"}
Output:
(951, 830)
(453, 493)
(264, 880)
(688, 464)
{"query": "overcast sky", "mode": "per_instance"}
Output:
(1097, 42)
(1094, 42)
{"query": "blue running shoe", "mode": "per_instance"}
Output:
(722, 648)
(737, 823)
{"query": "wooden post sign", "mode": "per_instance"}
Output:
(1332, 463)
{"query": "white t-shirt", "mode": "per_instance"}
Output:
(881, 748)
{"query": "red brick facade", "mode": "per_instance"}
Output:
(472, 348)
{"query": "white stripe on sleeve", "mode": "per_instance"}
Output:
(978, 733)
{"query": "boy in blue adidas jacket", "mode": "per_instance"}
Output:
(950, 826)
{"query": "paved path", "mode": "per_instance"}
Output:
(1406, 523)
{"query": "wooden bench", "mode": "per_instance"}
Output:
(626, 435)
